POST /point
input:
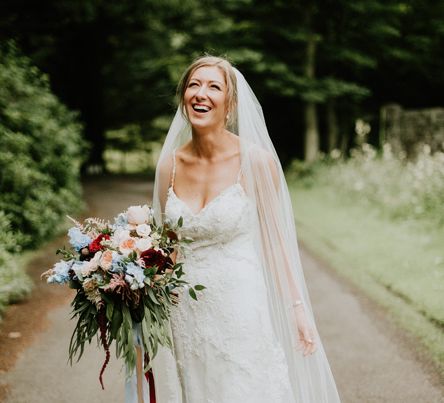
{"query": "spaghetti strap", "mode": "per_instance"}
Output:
(174, 170)
(239, 174)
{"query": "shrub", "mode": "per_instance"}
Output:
(40, 150)
(14, 284)
(40, 155)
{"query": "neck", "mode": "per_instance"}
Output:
(208, 142)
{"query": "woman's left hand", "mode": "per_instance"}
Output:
(305, 332)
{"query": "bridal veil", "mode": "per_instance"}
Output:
(265, 184)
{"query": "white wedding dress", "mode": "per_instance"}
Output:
(224, 345)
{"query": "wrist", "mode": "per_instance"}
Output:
(296, 304)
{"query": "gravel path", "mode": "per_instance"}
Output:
(370, 358)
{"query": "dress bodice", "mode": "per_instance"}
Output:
(226, 218)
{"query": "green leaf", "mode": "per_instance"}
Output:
(192, 293)
(152, 296)
(179, 272)
(116, 322)
(199, 287)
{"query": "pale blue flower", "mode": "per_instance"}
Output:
(78, 239)
(135, 276)
(117, 265)
(60, 272)
(120, 221)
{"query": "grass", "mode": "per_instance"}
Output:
(397, 263)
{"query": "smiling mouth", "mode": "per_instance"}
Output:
(201, 108)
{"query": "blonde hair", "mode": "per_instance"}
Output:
(230, 80)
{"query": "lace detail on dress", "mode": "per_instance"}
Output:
(225, 347)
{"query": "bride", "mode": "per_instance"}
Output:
(250, 337)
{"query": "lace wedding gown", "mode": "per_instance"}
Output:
(224, 344)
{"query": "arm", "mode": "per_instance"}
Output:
(165, 169)
(276, 242)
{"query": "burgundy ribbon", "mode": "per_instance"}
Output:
(150, 378)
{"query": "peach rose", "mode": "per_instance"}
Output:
(127, 245)
(106, 259)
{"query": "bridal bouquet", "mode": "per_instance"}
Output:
(125, 281)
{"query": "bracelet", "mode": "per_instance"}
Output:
(296, 303)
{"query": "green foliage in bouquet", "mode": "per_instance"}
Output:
(41, 150)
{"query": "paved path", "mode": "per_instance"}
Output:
(369, 359)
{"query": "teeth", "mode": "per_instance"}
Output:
(203, 108)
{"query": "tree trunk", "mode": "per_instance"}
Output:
(311, 119)
(332, 125)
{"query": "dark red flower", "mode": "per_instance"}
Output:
(152, 257)
(95, 245)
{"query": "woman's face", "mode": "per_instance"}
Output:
(205, 97)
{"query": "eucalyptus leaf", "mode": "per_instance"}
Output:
(192, 293)
(152, 296)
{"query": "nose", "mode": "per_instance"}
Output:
(202, 92)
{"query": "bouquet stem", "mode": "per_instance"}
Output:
(139, 373)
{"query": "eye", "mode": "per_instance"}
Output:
(191, 84)
(215, 86)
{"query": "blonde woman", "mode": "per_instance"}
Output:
(251, 336)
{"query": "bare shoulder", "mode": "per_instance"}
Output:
(260, 156)
(165, 165)
(264, 161)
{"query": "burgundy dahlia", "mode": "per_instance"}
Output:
(152, 257)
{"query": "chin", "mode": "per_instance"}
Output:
(203, 124)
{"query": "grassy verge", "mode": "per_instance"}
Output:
(398, 263)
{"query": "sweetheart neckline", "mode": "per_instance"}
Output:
(196, 214)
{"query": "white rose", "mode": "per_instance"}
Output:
(78, 267)
(138, 215)
(92, 265)
(143, 244)
(143, 230)
(119, 236)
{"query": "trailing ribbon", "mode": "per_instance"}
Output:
(139, 388)
(150, 378)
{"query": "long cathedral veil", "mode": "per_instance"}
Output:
(265, 185)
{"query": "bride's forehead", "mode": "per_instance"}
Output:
(208, 73)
